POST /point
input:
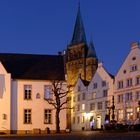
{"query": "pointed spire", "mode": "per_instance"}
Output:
(79, 32)
(91, 50)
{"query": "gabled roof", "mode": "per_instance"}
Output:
(36, 67)
(79, 31)
(91, 50)
(85, 82)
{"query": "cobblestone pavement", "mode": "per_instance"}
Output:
(85, 135)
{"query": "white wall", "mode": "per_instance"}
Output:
(36, 105)
(5, 87)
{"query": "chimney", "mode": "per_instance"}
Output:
(134, 45)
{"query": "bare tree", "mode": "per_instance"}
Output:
(58, 100)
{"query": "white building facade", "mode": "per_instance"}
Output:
(92, 101)
(22, 103)
(127, 88)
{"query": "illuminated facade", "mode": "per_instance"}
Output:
(127, 87)
(81, 59)
(25, 80)
(92, 101)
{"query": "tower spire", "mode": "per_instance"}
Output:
(91, 49)
(79, 31)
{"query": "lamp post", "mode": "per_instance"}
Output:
(113, 109)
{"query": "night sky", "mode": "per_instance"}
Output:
(46, 27)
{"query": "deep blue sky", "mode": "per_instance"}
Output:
(46, 27)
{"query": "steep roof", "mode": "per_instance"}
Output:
(79, 31)
(36, 67)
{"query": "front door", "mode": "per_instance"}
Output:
(98, 122)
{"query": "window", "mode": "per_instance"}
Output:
(93, 95)
(105, 93)
(73, 120)
(137, 80)
(92, 106)
(37, 96)
(94, 85)
(27, 92)
(78, 98)
(78, 107)
(107, 104)
(78, 119)
(133, 68)
(47, 91)
(103, 83)
(83, 106)
(4, 116)
(83, 96)
(137, 95)
(128, 96)
(99, 105)
(137, 112)
(47, 116)
(27, 116)
(120, 98)
(79, 88)
(129, 114)
(120, 84)
(120, 114)
(129, 82)
(83, 119)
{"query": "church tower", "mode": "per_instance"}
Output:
(81, 58)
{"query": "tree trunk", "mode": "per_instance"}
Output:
(57, 121)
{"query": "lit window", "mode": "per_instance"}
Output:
(129, 114)
(137, 112)
(47, 116)
(27, 92)
(47, 91)
(83, 119)
(83, 106)
(27, 116)
(120, 114)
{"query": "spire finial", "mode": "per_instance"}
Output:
(79, 31)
